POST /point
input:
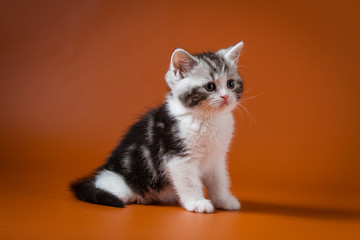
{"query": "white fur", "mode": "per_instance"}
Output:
(114, 183)
(126, 157)
(149, 133)
(147, 156)
(208, 141)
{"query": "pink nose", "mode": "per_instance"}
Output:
(225, 97)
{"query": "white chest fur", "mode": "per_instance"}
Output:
(205, 132)
(205, 138)
(202, 135)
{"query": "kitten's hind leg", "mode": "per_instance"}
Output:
(185, 177)
(115, 184)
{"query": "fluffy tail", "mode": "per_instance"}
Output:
(84, 189)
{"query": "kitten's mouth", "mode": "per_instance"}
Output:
(224, 103)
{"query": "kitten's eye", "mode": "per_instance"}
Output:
(210, 87)
(230, 84)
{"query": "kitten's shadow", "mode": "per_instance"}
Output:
(300, 211)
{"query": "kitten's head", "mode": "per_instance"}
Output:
(206, 83)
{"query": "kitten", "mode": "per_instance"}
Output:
(173, 150)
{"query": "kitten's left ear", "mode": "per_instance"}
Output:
(232, 53)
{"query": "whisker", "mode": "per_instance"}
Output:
(250, 115)
(239, 110)
(251, 97)
(244, 66)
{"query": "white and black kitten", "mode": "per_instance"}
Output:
(176, 149)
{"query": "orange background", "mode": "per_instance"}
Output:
(75, 74)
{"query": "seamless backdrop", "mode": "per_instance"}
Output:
(75, 74)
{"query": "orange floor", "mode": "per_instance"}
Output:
(39, 206)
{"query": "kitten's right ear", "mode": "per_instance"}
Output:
(232, 53)
(182, 62)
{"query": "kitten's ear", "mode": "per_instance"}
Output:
(232, 53)
(182, 62)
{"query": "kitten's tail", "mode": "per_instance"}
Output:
(84, 189)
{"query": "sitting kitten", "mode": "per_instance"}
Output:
(174, 149)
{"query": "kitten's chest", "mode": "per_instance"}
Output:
(203, 136)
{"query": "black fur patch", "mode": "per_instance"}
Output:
(214, 61)
(164, 143)
(194, 97)
(238, 89)
(137, 173)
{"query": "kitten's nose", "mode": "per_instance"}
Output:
(225, 96)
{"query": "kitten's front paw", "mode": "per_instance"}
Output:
(229, 203)
(200, 206)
